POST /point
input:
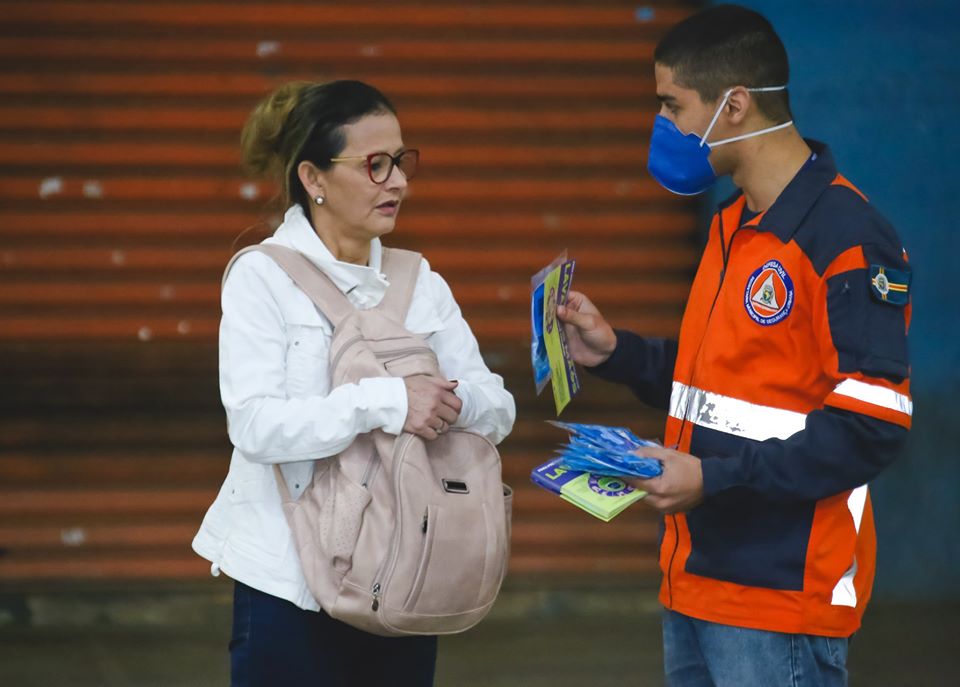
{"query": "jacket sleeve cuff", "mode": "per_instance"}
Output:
(612, 369)
(466, 416)
(386, 403)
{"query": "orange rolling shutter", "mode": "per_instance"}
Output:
(120, 196)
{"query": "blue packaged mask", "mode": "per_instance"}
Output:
(681, 162)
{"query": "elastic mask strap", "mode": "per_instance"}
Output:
(752, 134)
(716, 116)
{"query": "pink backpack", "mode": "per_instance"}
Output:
(396, 535)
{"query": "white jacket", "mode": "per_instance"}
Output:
(275, 387)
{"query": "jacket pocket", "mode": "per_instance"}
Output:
(308, 352)
(445, 571)
(258, 530)
(742, 537)
(350, 503)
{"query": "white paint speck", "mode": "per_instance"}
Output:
(183, 327)
(504, 293)
(249, 191)
(92, 189)
(268, 48)
(73, 536)
(167, 292)
(118, 257)
(371, 51)
(144, 333)
(51, 186)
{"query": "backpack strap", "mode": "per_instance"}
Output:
(311, 280)
(402, 267)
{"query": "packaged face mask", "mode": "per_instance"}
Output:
(590, 470)
(604, 450)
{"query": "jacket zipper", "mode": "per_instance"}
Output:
(725, 251)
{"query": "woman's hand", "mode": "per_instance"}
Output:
(590, 338)
(431, 406)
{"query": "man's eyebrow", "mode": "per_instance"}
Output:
(666, 98)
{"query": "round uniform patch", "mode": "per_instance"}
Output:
(768, 298)
(608, 486)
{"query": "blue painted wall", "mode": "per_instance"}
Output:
(879, 80)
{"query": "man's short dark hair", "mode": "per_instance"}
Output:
(726, 46)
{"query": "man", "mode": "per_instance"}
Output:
(788, 388)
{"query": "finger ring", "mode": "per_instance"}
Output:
(443, 427)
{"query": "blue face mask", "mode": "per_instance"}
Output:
(681, 162)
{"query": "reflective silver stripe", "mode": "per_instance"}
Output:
(733, 416)
(875, 395)
(845, 594)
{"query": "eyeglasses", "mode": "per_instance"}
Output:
(380, 165)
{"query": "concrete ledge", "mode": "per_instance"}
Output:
(207, 604)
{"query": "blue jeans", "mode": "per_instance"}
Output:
(697, 653)
(276, 644)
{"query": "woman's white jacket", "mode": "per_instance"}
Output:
(275, 387)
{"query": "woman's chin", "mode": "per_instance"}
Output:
(384, 226)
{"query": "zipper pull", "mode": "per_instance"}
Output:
(423, 527)
(376, 596)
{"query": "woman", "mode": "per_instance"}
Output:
(338, 155)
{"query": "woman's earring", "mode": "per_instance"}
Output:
(320, 200)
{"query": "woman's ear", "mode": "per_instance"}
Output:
(312, 178)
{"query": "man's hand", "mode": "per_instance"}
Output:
(431, 406)
(679, 488)
(590, 338)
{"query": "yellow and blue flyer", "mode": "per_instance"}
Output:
(551, 356)
(602, 496)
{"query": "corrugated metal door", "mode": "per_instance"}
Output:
(121, 195)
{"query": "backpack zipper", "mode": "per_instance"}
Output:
(352, 340)
(386, 568)
(379, 354)
(368, 473)
(398, 351)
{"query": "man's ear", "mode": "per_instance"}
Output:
(738, 105)
(312, 178)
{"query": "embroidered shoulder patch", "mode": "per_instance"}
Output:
(889, 285)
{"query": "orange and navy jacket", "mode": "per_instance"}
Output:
(790, 381)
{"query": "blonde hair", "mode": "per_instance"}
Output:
(266, 148)
(303, 121)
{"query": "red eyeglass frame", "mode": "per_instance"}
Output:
(394, 162)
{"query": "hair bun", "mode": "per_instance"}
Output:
(261, 142)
